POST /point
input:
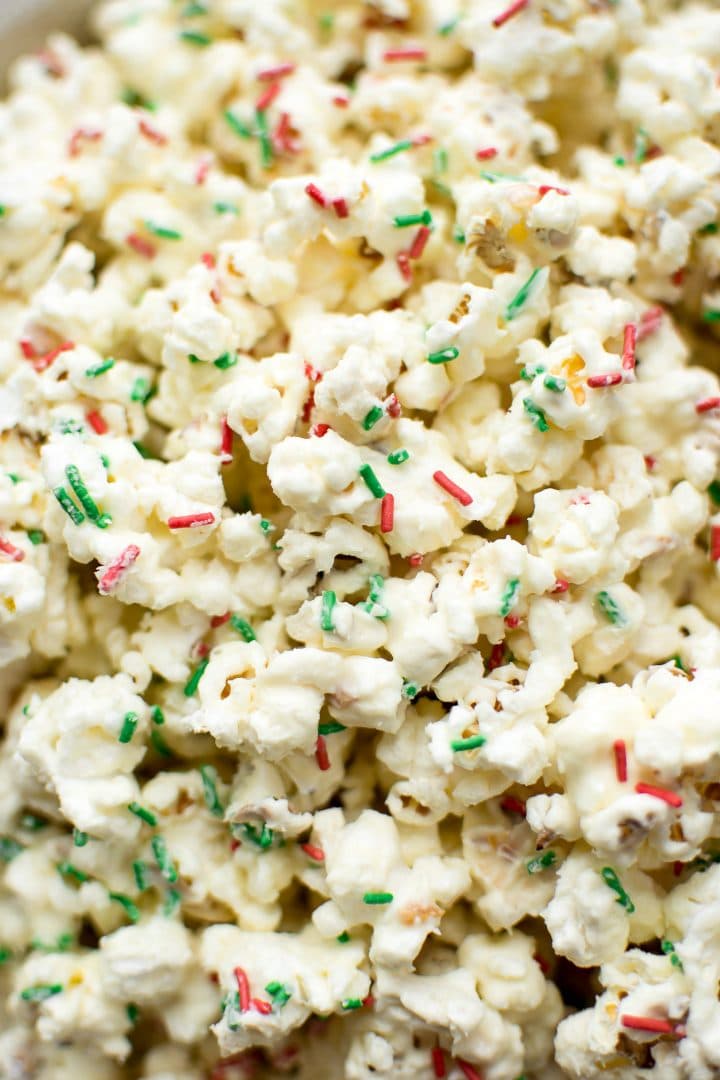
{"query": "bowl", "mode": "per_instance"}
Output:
(24, 24)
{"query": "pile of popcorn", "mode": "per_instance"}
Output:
(359, 543)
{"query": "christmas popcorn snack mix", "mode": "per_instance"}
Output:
(359, 543)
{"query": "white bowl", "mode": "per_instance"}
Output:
(24, 24)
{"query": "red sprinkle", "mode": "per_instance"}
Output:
(541, 963)
(200, 650)
(497, 656)
(267, 97)
(403, 262)
(315, 853)
(678, 277)
(393, 407)
(52, 62)
(316, 194)
(40, 363)
(387, 513)
(670, 797)
(544, 188)
(340, 207)
(421, 140)
(561, 585)
(226, 442)
(278, 72)
(629, 338)
(647, 1023)
(511, 805)
(512, 621)
(141, 245)
(115, 569)
(416, 53)
(620, 752)
(508, 13)
(283, 136)
(27, 349)
(368, 1001)
(219, 620)
(11, 551)
(650, 462)
(707, 404)
(467, 1070)
(261, 1006)
(419, 243)
(416, 559)
(82, 135)
(151, 133)
(320, 430)
(321, 754)
(191, 521)
(243, 985)
(678, 868)
(649, 322)
(715, 543)
(97, 422)
(452, 488)
(201, 172)
(341, 102)
(208, 259)
(612, 378)
(486, 153)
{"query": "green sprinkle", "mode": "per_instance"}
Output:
(36, 536)
(266, 147)
(536, 414)
(444, 355)
(326, 21)
(266, 526)
(279, 993)
(9, 848)
(509, 596)
(66, 869)
(131, 909)
(3, 211)
(142, 390)
(227, 360)
(145, 815)
(80, 838)
(106, 461)
(521, 296)
(528, 374)
(669, 949)
(710, 229)
(194, 37)
(70, 426)
(498, 177)
(135, 100)
(13, 478)
(237, 126)
(377, 898)
(458, 234)
(162, 232)
(172, 902)
(397, 457)
(403, 220)
(191, 10)
(332, 727)
(440, 160)
(162, 858)
(613, 881)
(372, 482)
(159, 743)
(391, 151)
(130, 722)
(619, 161)
(85, 498)
(262, 838)
(343, 938)
(377, 584)
(642, 144)
(714, 492)
(550, 382)
(156, 715)
(243, 628)
(132, 1012)
(442, 189)
(225, 208)
(140, 872)
(41, 992)
(410, 690)
(448, 27)
(76, 516)
(371, 418)
(351, 1003)
(329, 600)
(100, 369)
(64, 942)
(191, 685)
(32, 822)
(142, 450)
(542, 862)
(610, 609)
(468, 744)
(711, 315)
(5, 954)
(212, 799)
